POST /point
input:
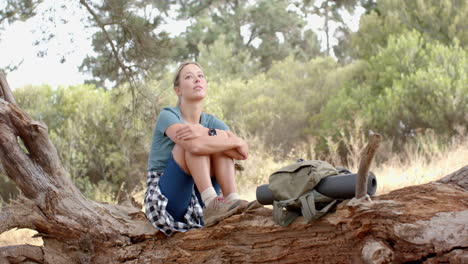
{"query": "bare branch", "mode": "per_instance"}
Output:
(111, 43)
(15, 122)
(41, 165)
(253, 35)
(17, 164)
(5, 91)
(42, 158)
(366, 159)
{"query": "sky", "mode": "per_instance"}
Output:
(72, 42)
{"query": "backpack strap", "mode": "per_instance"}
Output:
(284, 217)
(281, 215)
(308, 207)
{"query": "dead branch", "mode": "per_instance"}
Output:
(364, 165)
(5, 91)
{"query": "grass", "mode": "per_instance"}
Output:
(423, 160)
(421, 166)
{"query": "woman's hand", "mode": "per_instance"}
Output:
(243, 150)
(239, 153)
(187, 132)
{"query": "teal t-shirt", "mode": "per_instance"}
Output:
(162, 145)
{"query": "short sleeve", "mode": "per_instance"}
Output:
(218, 124)
(167, 118)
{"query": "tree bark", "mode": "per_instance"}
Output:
(6, 93)
(425, 223)
(458, 178)
(367, 156)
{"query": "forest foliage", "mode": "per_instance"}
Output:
(403, 72)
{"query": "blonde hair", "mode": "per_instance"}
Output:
(176, 80)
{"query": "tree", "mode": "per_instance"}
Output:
(222, 61)
(129, 35)
(129, 44)
(332, 12)
(16, 10)
(420, 83)
(13, 10)
(418, 223)
(275, 105)
(269, 30)
(100, 139)
(435, 20)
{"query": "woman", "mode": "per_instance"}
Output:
(191, 159)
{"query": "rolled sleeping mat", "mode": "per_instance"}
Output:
(344, 186)
(337, 187)
(264, 195)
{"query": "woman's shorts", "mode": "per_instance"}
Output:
(172, 202)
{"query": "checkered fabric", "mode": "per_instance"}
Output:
(155, 205)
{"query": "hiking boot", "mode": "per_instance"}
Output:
(245, 206)
(253, 205)
(219, 209)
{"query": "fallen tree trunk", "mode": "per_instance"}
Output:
(425, 223)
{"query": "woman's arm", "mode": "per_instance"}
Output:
(206, 145)
(242, 151)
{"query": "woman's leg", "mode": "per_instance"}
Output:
(176, 186)
(216, 188)
(201, 167)
(198, 166)
(223, 168)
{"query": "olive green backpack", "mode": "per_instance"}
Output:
(293, 187)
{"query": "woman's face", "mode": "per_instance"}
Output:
(192, 83)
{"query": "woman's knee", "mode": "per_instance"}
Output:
(178, 153)
(185, 158)
(219, 156)
(220, 160)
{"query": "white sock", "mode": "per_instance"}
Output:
(232, 196)
(208, 195)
